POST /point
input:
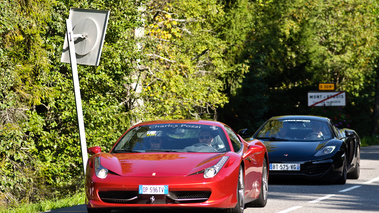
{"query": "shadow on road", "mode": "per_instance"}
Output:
(370, 152)
(83, 209)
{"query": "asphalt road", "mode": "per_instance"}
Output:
(360, 195)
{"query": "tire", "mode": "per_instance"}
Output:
(240, 206)
(357, 169)
(261, 201)
(342, 180)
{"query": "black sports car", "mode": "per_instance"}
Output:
(310, 147)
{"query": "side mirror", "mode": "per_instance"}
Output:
(253, 149)
(245, 133)
(94, 150)
(350, 133)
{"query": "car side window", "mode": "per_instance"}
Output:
(236, 143)
(335, 130)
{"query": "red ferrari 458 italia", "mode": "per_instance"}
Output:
(178, 164)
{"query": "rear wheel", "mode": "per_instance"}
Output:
(262, 199)
(240, 206)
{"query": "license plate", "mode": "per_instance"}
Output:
(284, 166)
(153, 189)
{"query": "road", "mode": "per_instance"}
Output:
(360, 195)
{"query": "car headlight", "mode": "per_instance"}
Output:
(213, 170)
(100, 171)
(326, 150)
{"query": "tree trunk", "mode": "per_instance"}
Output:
(376, 106)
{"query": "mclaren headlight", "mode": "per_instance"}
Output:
(101, 172)
(212, 171)
(325, 151)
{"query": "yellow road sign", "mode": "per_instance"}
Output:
(327, 86)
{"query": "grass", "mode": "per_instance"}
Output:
(45, 206)
(370, 140)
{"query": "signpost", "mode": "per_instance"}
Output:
(335, 98)
(326, 86)
(83, 43)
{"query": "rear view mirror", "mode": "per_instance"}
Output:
(350, 133)
(253, 149)
(94, 150)
(245, 133)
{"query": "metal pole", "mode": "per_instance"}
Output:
(78, 99)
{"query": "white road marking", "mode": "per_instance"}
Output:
(349, 189)
(330, 195)
(322, 198)
(371, 181)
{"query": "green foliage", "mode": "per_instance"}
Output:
(243, 79)
(294, 45)
(180, 72)
(370, 140)
(39, 134)
(47, 205)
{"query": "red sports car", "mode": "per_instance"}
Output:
(178, 164)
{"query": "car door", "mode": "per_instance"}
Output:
(251, 165)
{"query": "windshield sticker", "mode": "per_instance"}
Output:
(304, 121)
(214, 127)
(188, 126)
(153, 133)
(165, 126)
(191, 126)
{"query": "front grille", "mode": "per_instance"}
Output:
(118, 196)
(189, 196)
(132, 197)
(313, 169)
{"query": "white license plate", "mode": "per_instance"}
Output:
(153, 189)
(284, 166)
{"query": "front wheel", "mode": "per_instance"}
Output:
(342, 179)
(240, 206)
(261, 201)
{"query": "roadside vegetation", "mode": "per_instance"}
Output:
(370, 141)
(47, 205)
(239, 62)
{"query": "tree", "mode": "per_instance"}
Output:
(182, 61)
(298, 44)
(243, 78)
(375, 129)
(25, 75)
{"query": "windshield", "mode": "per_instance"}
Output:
(173, 138)
(295, 130)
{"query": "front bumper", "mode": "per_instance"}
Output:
(190, 191)
(330, 169)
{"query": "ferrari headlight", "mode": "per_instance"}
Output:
(100, 171)
(326, 150)
(213, 170)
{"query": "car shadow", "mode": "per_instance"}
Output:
(296, 181)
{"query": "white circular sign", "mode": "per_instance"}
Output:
(89, 28)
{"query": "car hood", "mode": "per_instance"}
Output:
(281, 151)
(162, 164)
